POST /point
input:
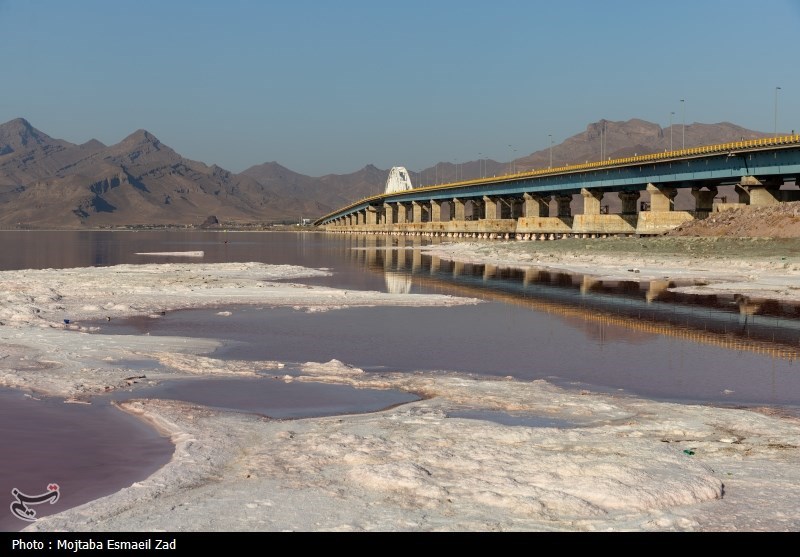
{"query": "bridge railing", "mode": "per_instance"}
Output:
(666, 155)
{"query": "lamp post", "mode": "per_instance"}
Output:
(511, 152)
(480, 164)
(603, 140)
(776, 110)
(683, 126)
(551, 150)
(602, 128)
(671, 114)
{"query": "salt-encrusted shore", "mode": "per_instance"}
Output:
(37, 308)
(623, 464)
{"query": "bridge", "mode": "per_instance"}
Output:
(519, 205)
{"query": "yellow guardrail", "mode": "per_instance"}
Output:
(666, 155)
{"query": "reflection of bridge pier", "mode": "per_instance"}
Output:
(748, 309)
(401, 252)
(416, 260)
(655, 288)
(588, 282)
(436, 263)
(389, 258)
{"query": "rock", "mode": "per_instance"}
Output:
(210, 222)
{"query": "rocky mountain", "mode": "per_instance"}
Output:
(47, 182)
(625, 139)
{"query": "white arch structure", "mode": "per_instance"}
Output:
(398, 180)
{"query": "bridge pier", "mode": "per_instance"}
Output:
(478, 209)
(536, 205)
(402, 213)
(491, 204)
(459, 211)
(436, 210)
(564, 201)
(591, 201)
(759, 193)
(372, 215)
(704, 199)
(662, 198)
(389, 213)
(416, 211)
(629, 199)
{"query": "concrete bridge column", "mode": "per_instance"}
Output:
(537, 205)
(492, 209)
(591, 201)
(662, 198)
(436, 210)
(416, 211)
(515, 207)
(478, 209)
(372, 215)
(629, 199)
(458, 212)
(402, 213)
(349, 220)
(761, 193)
(564, 209)
(389, 212)
(704, 199)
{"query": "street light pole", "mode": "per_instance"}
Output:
(671, 114)
(550, 136)
(602, 127)
(480, 164)
(776, 110)
(683, 126)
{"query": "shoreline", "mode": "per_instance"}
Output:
(620, 464)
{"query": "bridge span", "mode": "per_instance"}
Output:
(519, 205)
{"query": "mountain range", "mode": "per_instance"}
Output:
(52, 183)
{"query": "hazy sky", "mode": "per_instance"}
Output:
(326, 86)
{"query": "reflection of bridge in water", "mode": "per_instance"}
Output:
(538, 204)
(729, 321)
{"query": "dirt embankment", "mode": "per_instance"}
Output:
(776, 221)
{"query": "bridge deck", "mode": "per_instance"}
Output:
(775, 158)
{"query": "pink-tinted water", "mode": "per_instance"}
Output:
(274, 398)
(89, 451)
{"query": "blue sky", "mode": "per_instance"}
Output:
(328, 87)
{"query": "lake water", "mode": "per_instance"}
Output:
(571, 330)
